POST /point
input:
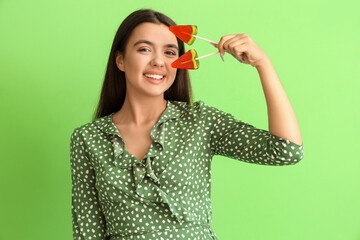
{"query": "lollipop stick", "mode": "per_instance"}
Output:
(214, 44)
(207, 55)
(204, 39)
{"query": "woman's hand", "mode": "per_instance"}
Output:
(241, 46)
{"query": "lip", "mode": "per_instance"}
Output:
(154, 81)
(155, 72)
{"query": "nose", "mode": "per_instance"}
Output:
(158, 60)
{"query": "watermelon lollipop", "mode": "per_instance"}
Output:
(187, 33)
(187, 61)
(184, 32)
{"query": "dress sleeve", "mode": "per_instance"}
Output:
(87, 217)
(235, 139)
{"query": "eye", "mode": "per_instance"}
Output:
(167, 52)
(141, 50)
(171, 53)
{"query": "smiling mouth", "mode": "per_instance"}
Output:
(155, 80)
(154, 77)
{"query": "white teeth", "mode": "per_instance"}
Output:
(154, 76)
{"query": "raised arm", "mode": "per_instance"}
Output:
(239, 140)
(281, 116)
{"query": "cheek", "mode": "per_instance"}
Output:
(136, 65)
(172, 77)
(172, 72)
(171, 69)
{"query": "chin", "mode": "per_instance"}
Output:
(154, 93)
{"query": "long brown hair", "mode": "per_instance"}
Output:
(114, 87)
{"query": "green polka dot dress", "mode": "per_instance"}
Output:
(167, 194)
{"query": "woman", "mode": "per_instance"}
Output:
(141, 168)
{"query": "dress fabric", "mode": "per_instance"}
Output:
(167, 194)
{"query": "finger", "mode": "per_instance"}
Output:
(214, 44)
(232, 43)
(222, 41)
(237, 48)
(241, 52)
(235, 38)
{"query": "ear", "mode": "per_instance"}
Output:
(119, 61)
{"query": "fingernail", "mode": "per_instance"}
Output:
(222, 57)
(239, 59)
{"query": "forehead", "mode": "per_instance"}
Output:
(156, 33)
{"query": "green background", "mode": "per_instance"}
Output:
(52, 63)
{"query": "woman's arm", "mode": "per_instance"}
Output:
(281, 116)
(87, 217)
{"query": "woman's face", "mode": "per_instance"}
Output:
(151, 49)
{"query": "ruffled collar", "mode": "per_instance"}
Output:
(174, 109)
(143, 170)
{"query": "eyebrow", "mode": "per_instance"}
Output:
(150, 43)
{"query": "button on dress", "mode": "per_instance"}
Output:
(167, 194)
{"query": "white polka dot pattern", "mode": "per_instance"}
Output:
(167, 194)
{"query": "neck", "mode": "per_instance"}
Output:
(140, 111)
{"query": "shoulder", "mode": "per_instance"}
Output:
(86, 130)
(198, 109)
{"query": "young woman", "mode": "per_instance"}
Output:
(141, 168)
